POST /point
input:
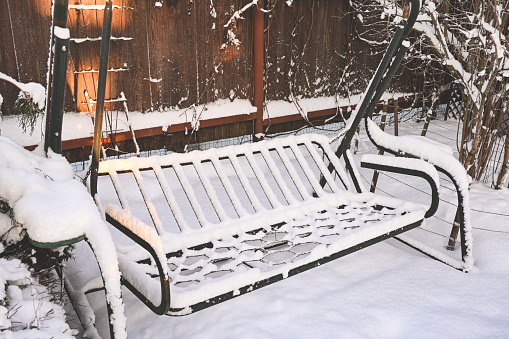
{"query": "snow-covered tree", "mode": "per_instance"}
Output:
(463, 44)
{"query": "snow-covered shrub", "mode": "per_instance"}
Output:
(26, 310)
(30, 293)
(28, 111)
(40, 261)
(30, 102)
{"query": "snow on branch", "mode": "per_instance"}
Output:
(30, 102)
(238, 14)
(477, 33)
(469, 42)
(230, 35)
(32, 90)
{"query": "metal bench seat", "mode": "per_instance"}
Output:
(220, 269)
(219, 242)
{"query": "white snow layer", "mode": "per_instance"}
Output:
(43, 194)
(422, 148)
(54, 207)
(35, 90)
(25, 309)
(79, 125)
(145, 232)
(280, 108)
(62, 33)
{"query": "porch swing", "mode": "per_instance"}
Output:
(199, 228)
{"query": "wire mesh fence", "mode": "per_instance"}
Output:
(446, 131)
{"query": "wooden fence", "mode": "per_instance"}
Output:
(170, 53)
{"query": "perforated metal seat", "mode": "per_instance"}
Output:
(235, 219)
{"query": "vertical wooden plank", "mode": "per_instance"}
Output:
(330, 38)
(237, 60)
(153, 51)
(141, 46)
(74, 60)
(304, 48)
(244, 82)
(212, 84)
(85, 25)
(115, 59)
(7, 60)
(135, 55)
(25, 44)
(202, 53)
(127, 83)
(179, 72)
(162, 28)
(31, 38)
(277, 67)
(186, 39)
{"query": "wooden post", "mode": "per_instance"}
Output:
(429, 115)
(426, 124)
(374, 181)
(451, 245)
(58, 76)
(258, 70)
(396, 132)
(356, 147)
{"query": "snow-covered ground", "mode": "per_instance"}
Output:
(26, 308)
(387, 290)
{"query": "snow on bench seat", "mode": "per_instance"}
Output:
(234, 219)
(235, 264)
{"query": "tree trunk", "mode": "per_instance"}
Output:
(504, 172)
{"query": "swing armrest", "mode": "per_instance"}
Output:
(147, 238)
(443, 160)
(407, 166)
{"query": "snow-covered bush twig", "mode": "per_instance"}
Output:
(30, 102)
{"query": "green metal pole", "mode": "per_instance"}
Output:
(386, 70)
(101, 90)
(56, 91)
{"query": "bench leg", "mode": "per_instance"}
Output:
(83, 308)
